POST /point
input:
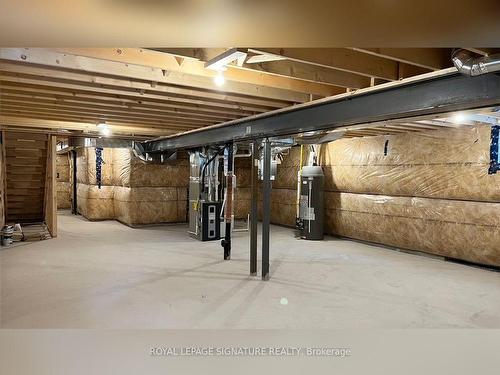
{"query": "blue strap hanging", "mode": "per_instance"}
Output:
(98, 165)
(494, 150)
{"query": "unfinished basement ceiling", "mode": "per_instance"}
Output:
(148, 93)
(485, 116)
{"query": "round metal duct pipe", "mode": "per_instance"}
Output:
(472, 66)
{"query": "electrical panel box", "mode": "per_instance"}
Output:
(210, 220)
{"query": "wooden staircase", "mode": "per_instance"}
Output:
(25, 164)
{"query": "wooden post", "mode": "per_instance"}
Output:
(50, 187)
(3, 185)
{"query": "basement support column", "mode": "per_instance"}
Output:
(253, 209)
(266, 208)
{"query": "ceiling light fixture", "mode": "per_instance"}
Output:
(229, 56)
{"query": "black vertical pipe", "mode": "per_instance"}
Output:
(266, 208)
(74, 207)
(226, 243)
(253, 209)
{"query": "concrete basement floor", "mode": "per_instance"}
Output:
(107, 275)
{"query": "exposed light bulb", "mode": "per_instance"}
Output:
(106, 131)
(458, 118)
(219, 79)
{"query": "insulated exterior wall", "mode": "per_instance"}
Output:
(63, 183)
(456, 229)
(149, 205)
(131, 171)
(95, 203)
(284, 192)
(447, 164)
(86, 166)
(429, 192)
(242, 194)
(132, 191)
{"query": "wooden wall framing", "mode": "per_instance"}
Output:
(2, 179)
(50, 208)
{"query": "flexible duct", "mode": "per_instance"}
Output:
(475, 66)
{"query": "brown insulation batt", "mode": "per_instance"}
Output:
(121, 168)
(86, 167)
(149, 205)
(131, 171)
(62, 167)
(133, 192)
(95, 203)
(63, 195)
(456, 229)
(449, 164)
(283, 208)
(63, 181)
(430, 193)
(242, 193)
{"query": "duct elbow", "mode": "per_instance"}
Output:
(475, 66)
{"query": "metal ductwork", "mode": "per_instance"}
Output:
(472, 66)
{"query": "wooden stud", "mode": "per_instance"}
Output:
(50, 213)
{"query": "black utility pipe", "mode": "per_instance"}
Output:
(226, 242)
(266, 208)
(253, 209)
(74, 207)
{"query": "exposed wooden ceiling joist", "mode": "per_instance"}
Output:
(483, 51)
(123, 100)
(86, 117)
(151, 92)
(36, 122)
(427, 58)
(103, 115)
(307, 72)
(191, 71)
(159, 108)
(280, 66)
(228, 102)
(347, 60)
(131, 69)
(7, 97)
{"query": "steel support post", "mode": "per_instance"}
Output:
(253, 209)
(266, 208)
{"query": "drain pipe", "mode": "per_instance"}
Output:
(228, 207)
(74, 205)
(475, 66)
